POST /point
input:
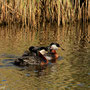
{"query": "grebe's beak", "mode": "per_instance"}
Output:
(61, 48)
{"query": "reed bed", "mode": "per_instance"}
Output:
(34, 13)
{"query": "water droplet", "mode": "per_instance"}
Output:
(46, 88)
(49, 63)
(81, 84)
(27, 74)
(1, 66)
(3, 80)
(60, 58)
(6, 84)
(88, 73)
(35, 70)
(0, 84)
(67, 87)
(49, 82)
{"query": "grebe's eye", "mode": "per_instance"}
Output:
(58, 45)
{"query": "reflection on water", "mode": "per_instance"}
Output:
(71, 72)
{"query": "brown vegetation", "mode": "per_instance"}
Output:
(33, 13)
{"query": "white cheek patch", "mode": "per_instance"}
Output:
(43, 52)
(54, 47)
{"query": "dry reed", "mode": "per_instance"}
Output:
(33, 13)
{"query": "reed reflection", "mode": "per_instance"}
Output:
(79, 56)
(74, 67)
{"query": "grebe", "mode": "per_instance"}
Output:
(32, 59)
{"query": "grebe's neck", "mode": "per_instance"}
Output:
(53, 51)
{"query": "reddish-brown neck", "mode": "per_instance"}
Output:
(55, 53)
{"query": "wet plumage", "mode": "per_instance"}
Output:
(32, 57)
(38, 55)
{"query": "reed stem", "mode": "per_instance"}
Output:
(33, 13)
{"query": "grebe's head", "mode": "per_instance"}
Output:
(54, 46)
(31, 48)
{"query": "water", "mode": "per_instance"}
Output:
(70, 72)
